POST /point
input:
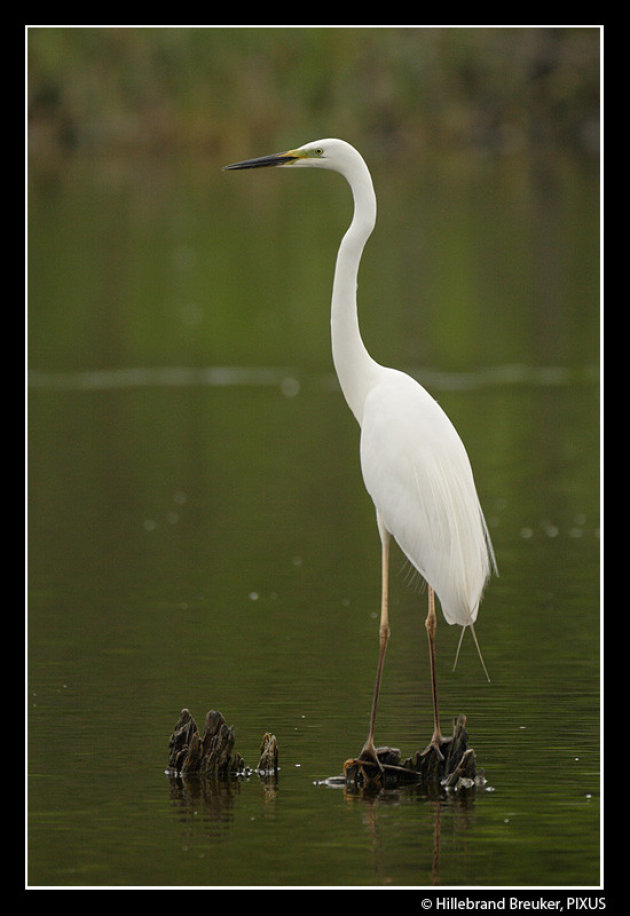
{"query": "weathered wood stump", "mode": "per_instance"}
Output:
(455, 768)
(213, 754)
(268, 763)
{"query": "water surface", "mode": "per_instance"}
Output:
(199, 534)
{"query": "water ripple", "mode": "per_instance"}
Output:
(286, 379)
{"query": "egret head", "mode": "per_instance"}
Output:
(324, 154)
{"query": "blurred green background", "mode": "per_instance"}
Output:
(128, 130)
(220, 90)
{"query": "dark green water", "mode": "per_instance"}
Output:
(199, 534)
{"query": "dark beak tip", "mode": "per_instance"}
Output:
(259, 163)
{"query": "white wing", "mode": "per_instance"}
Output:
(416, 470)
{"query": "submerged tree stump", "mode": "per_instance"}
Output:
(213, 754)
(456, 768)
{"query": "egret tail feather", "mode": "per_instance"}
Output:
(459, 645)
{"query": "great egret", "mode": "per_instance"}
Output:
(414, 464)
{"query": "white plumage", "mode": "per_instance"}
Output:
(417, 471)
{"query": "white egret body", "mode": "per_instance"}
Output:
(414, 464)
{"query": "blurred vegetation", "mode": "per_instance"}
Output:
(220, 90)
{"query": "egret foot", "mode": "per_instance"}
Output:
(367, 763)
(437, 743)
(382, 771)
(358, 770)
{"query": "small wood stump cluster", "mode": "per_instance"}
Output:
(212, 754)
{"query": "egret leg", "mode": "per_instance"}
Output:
(437, 741)
(368, 753)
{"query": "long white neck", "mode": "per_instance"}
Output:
(355, 368)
